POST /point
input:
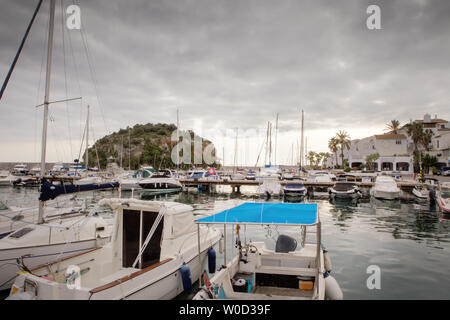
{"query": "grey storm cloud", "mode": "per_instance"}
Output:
(232, 62)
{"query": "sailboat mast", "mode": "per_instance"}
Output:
(301, 145)
(46, 100)
(178, 138)
(235, 150)
(129, 150)
(276, 139)
(87, 138)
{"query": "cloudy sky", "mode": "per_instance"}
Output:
(225, 64)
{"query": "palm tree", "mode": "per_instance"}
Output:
(319, 157)
(426, 139)
(325, 157)
(311, 156)
(393, 126)
(333, 146)
(415, 131)
(344, 142)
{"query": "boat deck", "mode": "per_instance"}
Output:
(286, 292)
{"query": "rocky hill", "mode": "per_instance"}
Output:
(144, 144)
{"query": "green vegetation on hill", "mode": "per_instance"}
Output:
(144, 144)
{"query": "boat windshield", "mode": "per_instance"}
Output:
(344, 186)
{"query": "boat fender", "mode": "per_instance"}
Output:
(186, 278)
(221, 245)
(332, 289)
(327, 261)
(211, 260)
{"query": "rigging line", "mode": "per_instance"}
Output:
(92, 73)
(65, 77)
(77, 77)
(16, 58)
(95, 147)
(81, 145)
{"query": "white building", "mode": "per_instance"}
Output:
(392, 148)
(441, 148)
(396, 150)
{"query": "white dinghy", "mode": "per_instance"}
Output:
(152, 253)
(284, 273)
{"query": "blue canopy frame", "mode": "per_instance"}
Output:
(299, 214)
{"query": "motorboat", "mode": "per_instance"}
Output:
(202, 175)
(156, 252)
(160, 182)
(269, 187)
(251, 175)
(345, 190)
(6, 178)
(385, 188)
(20, 170)
(269, 171)
(130, 180)
(237, 176)
(286, 273)
(421, 192)
(294, 190)
(443, 197)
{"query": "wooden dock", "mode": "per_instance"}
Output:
(236, 184)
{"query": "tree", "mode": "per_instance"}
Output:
(311, 157)
(333, 145)
(393, 126)
(344, 142)
(326, 156)
(370, 160)
(415, 131)
(425, 141)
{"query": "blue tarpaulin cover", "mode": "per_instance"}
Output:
(266, 213)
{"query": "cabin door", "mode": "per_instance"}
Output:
(136, 226)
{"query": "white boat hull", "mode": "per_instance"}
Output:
(38, 255)
(386, 195)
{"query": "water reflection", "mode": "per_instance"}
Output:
(407, 239)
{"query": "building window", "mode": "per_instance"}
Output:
(398, 141)
(437, 144)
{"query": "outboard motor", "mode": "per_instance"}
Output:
(432, 195)
(285, 244)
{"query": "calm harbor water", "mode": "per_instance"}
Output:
(408, 241)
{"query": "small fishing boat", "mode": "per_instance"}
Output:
(294, 190)
(284, 273)
(385, 188)
(155, 252)
(345, 190)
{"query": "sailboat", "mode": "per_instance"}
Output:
(63, 235)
